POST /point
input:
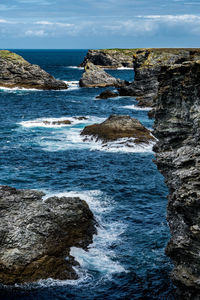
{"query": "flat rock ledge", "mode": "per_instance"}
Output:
(118, 127)
(97, 77)
(16, 72)
(36, 235)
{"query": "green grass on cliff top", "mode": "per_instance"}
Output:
(7, 55)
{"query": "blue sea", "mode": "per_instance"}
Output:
(120, 183)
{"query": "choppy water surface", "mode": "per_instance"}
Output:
(120, 183)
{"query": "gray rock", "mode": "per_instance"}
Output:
(107, 94)
(36, 235)
(147, 65)
(117, 127)
(110, 58)
(97, 77)
(17, 72)
(177, 127)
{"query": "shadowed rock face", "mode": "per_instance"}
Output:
(36, 235)
(17, 72)
(177, 127)
(97, 77)
(147, 65)
(116, 127)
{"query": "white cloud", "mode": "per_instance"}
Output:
(47, 23)
(173, 18)
(37, 33)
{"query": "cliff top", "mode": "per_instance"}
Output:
(8, 55)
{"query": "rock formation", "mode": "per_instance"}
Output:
(147, 64)
(17, 72)
(36, 235)
(97, 77)
(118, 127)
(177, 127)
(110, 58)
(107, 94)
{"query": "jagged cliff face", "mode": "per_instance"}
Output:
(147, 65)
(177, 127)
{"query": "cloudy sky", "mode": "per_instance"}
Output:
(71, 24)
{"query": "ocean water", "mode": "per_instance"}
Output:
(119, 182)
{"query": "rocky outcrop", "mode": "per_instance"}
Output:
(118, 127)
(36, 235)
(17, 72)
(97, 77)
(110, 58)
(147, 64)
(107, 94)
(177, 127)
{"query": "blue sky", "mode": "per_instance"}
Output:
(99, 24)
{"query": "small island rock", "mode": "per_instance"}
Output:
(119, 126)
(97, 77)
(107, 94)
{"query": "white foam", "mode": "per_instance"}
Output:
(125, 145)
(75, 67)
(135, 107)
(49, 122)
(125, 68)
(17, 89)
(73, 85)
(99, 257)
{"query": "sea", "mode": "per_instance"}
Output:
(119, 181)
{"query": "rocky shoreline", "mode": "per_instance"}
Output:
(36, 235)
(16, 72)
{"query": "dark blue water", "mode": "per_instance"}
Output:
(121, 184)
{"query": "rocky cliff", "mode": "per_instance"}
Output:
(147, 64)
(17, 72)
(36, 235)
(110, 58)
(177, 127)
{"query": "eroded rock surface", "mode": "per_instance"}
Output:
(117, 127)
(110, 58)
(177, 127)
(97, 77)
(36, 235)
(147, 65)
(17, 72)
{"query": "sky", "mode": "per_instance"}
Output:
(92, 24)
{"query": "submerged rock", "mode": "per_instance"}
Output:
(107, 94)
(177, 127)
(17, 72)
(97, 77)
(62, 122)
(36, 235)
(110, 58)
(117, 127)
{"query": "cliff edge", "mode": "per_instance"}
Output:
(177, 128)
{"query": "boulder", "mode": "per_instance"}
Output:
(17, 72)
(97, 77)
(107, 94)
(36, 235)
(117, 127)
